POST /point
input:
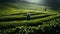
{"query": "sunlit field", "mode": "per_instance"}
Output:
(14, 21)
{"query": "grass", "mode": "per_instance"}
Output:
(10, 21)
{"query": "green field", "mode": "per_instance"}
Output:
(15, 22)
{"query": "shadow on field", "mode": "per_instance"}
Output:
(24, 18)
(45, 30)
(41, 22)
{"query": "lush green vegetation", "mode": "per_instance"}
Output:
(14, 21)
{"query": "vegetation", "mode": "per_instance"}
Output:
(14, 21)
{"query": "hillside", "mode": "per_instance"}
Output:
(13, 20)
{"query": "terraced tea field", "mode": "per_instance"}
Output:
(41, 21)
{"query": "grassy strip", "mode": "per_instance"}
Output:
(25, 22)
(13, 18)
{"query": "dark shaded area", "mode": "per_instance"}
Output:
(54, 29)
(6, 5)
(54, 4)
(9, 0)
